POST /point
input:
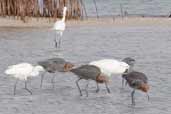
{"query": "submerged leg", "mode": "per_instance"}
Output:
(27, 88)
(108, 90)
(86, 88)
(53, 82)
(98, 89)
(79, 86)
(148, 97)
(42, 77)
(132, 96)
(126, 83)
(56, 39)
(122, 82)
(15, 85)
(60, 42)
(60, 39)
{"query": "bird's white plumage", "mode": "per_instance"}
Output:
(23, 70)
(110, 66)
(60, 25)
(59, 28)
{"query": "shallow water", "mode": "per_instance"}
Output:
(145, 7)
(149, 45)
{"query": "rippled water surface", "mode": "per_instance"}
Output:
(150, 46)
(145, 7)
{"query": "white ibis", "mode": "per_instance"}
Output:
(22, 71)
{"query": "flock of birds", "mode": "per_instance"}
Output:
(100, 70)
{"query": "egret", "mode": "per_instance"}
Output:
(137, 80)
(22, 71)
(89, 72)
(59, 28)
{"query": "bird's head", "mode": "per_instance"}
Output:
(68, 66)
(39, 68)
(102, 79)
(144, 87)
(130, 61)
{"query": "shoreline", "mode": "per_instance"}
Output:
(117, 21)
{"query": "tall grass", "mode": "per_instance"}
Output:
(20, 9)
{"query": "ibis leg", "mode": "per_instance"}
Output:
(122, 82)
(53, 82)
(42, 77)
(126, 83)
(79, 86)
(98, 89)
(148, 97)
(132, 97)
(27, 88)
(15, 86)
(108, 90)
(86, 88)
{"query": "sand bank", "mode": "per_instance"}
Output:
(128, 21)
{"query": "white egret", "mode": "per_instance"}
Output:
(59, 28)
(22, 71)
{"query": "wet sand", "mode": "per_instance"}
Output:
(149, 44)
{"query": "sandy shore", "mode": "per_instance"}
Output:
(128, 21)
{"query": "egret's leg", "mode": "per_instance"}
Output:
(15, 86)
(42, 77)
(56, 39)
(59, 42)
(108, 90)
(86, 88)
(79, 86)
(98, 89)
(60, 39)
(27, 88)
(53, 82)
(132, 96)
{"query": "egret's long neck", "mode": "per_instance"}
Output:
(64, 15)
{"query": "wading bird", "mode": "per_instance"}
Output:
(54, 65)
(59, 28)
(130, 61)
(22, 71)
(90, 72)
(113, 66)
(137, 80)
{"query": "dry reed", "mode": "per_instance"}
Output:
(21, 9)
